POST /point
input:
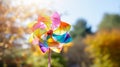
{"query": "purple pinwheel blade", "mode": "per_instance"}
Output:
(43, 47)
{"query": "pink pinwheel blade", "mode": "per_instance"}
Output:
(55, 20)
(35, 41)
(38, 25)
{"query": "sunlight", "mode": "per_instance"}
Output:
(40, 3)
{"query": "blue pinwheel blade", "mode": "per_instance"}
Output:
(65, 38)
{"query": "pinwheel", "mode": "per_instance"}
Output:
(50, 33)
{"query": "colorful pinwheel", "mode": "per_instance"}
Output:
(49, 32)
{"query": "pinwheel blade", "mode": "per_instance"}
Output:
(56, 49)
(51, 42)
(63, 28)
(65, 38)
(39, 32)
(55, 20)
(46, 20)
(43, 47)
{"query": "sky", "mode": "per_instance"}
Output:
(90, 10)
(71, 10)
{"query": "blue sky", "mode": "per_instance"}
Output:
(90, 10)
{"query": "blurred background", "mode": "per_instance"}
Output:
(95, 32)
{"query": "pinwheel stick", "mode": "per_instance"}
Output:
(49, 58)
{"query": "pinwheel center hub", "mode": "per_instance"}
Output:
(50, 32)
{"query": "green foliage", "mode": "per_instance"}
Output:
(110, 21)
(59, 60)
(80, 29)
(42, 61)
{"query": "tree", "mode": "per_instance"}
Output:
(110, 21)
(12, 33)
(76, 55)
(80, 29)
(104, 48)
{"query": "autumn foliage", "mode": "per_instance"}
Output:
(104, 48)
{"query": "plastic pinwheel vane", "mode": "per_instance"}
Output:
(50, 33)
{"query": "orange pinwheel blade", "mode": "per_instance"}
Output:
(46, 20)
(51, 42)
(62, 29)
